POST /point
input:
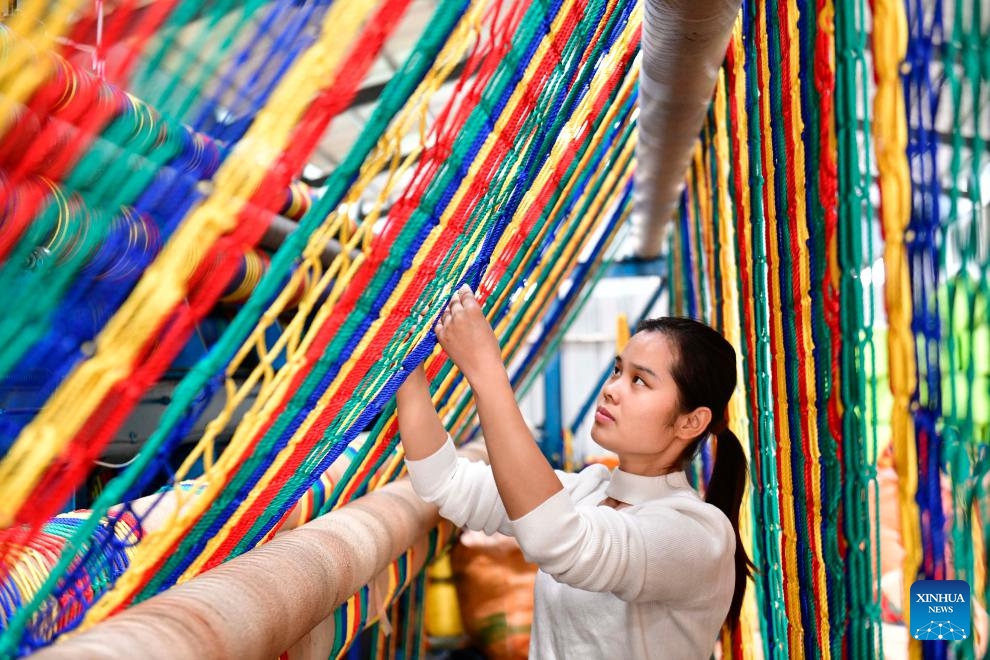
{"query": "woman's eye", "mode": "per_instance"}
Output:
(615, 370)
(639, 380)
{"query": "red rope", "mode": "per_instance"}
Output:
(797, 294)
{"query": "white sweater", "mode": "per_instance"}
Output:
(652, 580)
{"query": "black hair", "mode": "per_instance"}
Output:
(704, 370)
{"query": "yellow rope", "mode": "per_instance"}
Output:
(705, 207)
(890, 37)
(621, 333)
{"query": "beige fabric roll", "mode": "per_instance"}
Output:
(277, 596)
(263, 602)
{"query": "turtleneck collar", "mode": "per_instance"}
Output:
(636, 489)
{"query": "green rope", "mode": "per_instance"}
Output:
(717, 321)
(855, 253)
(208, 33)
(786, 269)
(776, 641)
(756, 511)
(698, 250)
(966, 297)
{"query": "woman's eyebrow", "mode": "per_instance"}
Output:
(639, 367)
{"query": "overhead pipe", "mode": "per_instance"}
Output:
(683, 46)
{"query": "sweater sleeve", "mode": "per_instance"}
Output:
(464, 490)
(676, 550)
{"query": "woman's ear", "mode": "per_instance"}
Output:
(692, 424)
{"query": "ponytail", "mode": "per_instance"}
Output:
(725, 490)
(705, 372)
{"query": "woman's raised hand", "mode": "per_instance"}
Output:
(464, 332)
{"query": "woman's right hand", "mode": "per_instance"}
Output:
(467, 337)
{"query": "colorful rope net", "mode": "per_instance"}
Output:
(147, 148)
(840, 166)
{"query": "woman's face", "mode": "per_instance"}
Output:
(638, 416)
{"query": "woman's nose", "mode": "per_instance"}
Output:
(608, 390)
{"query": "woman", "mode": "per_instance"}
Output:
(633, 563)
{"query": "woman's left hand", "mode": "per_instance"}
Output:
(464, 332)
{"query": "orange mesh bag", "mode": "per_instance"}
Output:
(495, 590)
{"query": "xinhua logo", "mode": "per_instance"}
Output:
(940, 609)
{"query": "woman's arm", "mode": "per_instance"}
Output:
(420, 428)
(523, 476)
(464, 490)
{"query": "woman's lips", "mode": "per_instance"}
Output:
(602, 415)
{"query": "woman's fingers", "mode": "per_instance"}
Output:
(465, 334)
(464, 299)
(456, 304)
(461, 301)
(442, 323)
